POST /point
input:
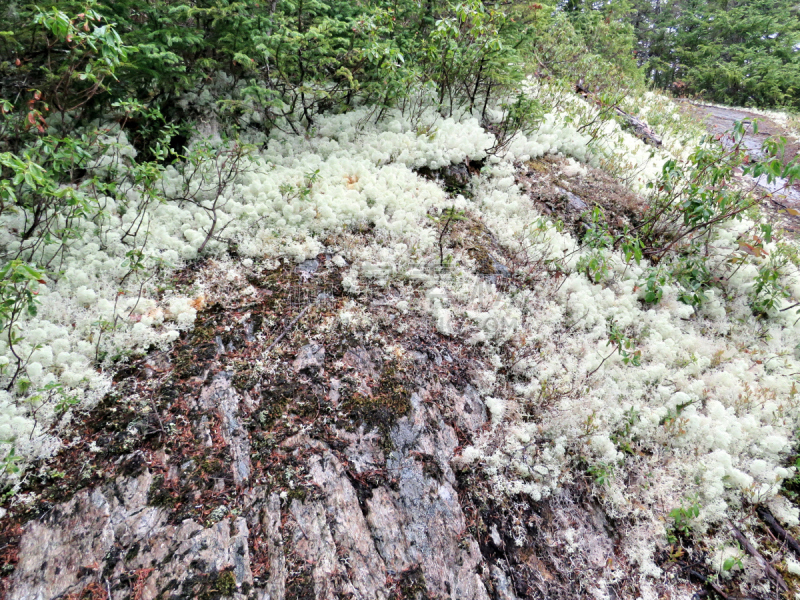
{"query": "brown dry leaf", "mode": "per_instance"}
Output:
(756, 251)
(199, 302)
(535, 563)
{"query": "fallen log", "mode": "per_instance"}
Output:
(639, 128)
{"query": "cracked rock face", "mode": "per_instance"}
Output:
(350, 546)
(333, 472)
(79, 542)
(311, 356)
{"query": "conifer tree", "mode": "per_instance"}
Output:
(744, 52)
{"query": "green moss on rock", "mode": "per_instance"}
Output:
(226, 583)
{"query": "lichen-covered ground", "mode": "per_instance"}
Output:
(396, 379)
(321, 466)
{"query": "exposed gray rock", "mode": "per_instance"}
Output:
(363, 362)
(353, 546)
(498, 268)
(220, 396)
(456, 177)
(307, 267)
(502, 585)
(335, 537)
(573, 201)
(373, 511)
(275, 587)
(76, 544)
(428, 508)
(310, 357)
(469, 410)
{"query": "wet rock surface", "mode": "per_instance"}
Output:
(784, 200)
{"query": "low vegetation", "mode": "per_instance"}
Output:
(652, 347)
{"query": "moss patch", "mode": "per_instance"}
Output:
(226, 583)
(300, 585)
(208, 586)
(281, 398)
(245, 379)
(159, 495)
(389, 401)
(411, 585)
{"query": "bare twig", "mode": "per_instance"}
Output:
(158, 416)
(709, 583)
(597, 368)
(285, 331)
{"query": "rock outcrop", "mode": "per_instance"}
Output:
(326, 466)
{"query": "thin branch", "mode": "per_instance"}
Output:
(285, 331)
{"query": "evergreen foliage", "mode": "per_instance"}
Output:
(741, 52)
(292, 59)
(607, 33)
(76, 68)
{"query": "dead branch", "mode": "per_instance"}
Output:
(766, 516)
(640, 128)
(753, 551)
